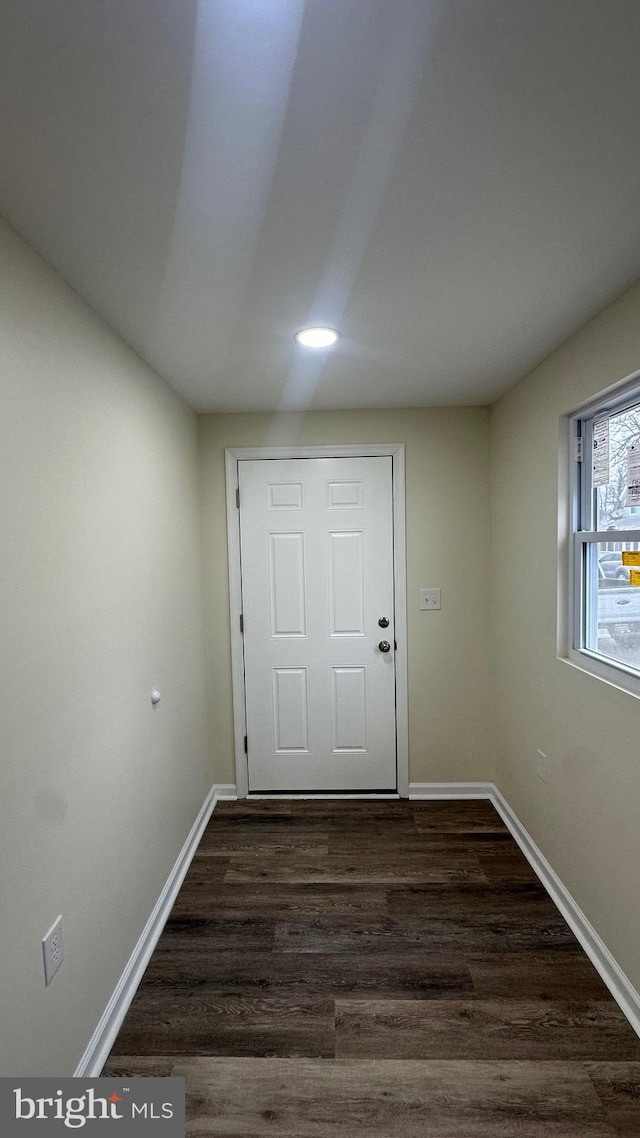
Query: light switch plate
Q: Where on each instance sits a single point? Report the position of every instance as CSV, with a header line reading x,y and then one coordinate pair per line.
x,y
429,599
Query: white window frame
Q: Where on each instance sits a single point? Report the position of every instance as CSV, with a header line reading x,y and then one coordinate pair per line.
x,y
581,609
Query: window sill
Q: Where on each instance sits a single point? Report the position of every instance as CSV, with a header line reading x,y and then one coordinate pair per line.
x,y
615,675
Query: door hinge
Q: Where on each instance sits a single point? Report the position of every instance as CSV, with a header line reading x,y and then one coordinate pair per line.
x,y
242,622
237,499
246,746
578,448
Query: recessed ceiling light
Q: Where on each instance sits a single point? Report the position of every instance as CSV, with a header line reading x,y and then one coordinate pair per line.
x,y
317,337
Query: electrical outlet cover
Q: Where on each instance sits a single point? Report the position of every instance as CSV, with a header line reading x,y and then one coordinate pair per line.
x,y
53,950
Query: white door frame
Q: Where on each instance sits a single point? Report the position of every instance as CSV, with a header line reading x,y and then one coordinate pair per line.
x,y
396,452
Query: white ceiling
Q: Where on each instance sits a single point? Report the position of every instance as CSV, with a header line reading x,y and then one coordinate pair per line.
x,y
455,184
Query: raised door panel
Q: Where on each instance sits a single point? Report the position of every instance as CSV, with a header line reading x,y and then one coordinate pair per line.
x,y
291,710
346,584
287,579
349,709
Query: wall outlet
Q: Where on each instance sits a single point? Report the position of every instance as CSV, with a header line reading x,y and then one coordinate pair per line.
x,y
541,765
429,599
53,950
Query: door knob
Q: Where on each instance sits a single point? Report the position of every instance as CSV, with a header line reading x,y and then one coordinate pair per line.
x,y
384,646
384,622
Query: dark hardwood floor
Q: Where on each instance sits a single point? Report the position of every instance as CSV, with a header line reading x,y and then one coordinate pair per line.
x,y
377,968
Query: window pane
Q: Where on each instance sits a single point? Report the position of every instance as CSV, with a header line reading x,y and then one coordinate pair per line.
x,y
613,625
618,508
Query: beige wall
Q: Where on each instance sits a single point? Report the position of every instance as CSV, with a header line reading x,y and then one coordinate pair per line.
x,y
585,818
100,602
447,546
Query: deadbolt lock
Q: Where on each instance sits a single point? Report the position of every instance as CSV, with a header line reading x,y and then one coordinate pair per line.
x,y
384,622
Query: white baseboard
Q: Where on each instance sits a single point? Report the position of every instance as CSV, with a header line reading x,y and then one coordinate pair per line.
x,y
621,988
111,1019
226,792
428,790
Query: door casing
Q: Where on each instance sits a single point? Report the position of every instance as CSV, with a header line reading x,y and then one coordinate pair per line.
x,y
362,450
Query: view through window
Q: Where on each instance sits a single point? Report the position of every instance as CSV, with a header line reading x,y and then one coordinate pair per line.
x,y
608,548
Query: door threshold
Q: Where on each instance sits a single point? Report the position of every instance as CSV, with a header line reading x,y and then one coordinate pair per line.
x,y
388,794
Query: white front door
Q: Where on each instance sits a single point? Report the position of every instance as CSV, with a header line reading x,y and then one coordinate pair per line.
x,y
316,540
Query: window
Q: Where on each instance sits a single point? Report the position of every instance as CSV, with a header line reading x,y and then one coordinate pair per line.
x,y
606,538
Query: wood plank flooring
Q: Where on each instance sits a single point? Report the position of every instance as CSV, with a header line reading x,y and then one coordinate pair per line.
x,y
377,968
